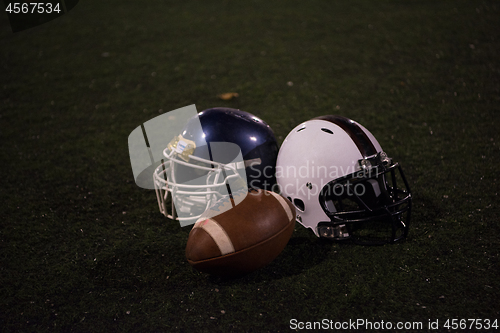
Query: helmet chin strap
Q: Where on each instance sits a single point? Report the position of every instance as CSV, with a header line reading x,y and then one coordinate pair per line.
x,y
337,232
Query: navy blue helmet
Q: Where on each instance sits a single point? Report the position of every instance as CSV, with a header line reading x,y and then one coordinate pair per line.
x,y
218,151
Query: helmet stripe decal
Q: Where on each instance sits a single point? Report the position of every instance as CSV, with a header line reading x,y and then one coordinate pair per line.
x,y
362,141
218,234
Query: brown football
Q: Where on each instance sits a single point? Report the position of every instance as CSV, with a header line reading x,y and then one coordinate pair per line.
x,y
244,238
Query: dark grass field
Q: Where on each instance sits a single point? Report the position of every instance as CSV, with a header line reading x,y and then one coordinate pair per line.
x,y
83,249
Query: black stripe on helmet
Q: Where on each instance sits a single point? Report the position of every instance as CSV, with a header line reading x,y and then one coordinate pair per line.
x,y
362,141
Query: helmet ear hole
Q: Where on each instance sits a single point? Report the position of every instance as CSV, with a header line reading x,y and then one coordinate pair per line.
x,y
299,204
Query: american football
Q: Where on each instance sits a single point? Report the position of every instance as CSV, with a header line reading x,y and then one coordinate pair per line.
x,y
244,238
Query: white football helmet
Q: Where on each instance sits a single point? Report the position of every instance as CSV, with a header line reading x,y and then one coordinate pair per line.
x,y
342,183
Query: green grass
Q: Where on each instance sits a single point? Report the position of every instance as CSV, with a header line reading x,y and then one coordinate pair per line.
x,y
83,249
